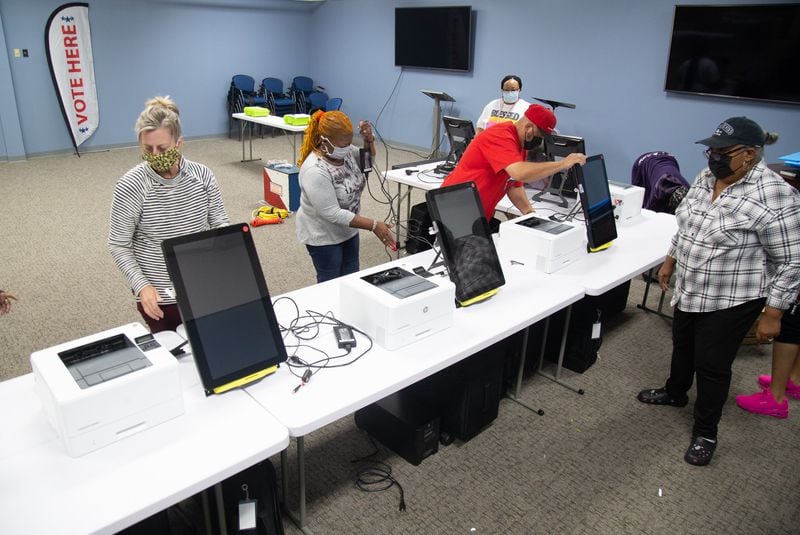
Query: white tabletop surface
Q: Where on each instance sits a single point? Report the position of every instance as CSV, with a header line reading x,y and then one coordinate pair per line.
x,y
331,394
43,490
421,176
271,120
641,244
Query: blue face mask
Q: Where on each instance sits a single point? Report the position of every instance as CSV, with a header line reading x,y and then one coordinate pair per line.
x,y
510,97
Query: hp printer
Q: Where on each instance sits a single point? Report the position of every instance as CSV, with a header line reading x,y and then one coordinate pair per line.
x,y
547,245
627,200
107,386
396,307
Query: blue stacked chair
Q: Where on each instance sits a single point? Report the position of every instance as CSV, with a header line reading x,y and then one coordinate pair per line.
x,y
301,88
278,102
242,92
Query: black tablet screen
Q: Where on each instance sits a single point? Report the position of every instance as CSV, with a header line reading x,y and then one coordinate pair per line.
x,y
467,246
224,303
598,209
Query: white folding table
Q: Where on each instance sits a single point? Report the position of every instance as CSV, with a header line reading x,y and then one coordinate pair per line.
x,y
270,120
44,491
331,394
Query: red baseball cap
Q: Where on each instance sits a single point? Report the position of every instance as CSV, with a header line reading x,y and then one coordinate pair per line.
x,y
542,117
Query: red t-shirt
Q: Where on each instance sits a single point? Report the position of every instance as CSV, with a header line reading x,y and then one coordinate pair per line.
x,y
485,162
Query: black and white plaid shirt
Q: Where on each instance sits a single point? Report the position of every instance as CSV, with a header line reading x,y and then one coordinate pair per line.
x,y
742,246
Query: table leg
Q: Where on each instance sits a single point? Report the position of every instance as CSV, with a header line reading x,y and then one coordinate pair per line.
x,y
294,146
223,530
250,138
241,136
397,219
301,475
409,189
299,520
661,304
643,306
556,378
285,476
522,357
206,511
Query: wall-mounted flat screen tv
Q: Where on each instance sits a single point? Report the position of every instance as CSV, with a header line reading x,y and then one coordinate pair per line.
x,y
433,37
736,51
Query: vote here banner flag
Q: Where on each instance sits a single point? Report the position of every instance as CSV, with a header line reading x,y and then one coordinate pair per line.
x,y
68,40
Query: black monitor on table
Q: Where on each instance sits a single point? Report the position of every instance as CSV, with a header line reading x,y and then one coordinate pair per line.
x,y
559,147
462,232
459,134
225,306
598,208
564,183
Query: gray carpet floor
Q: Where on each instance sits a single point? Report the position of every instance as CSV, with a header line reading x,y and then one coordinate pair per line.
x,y
596,463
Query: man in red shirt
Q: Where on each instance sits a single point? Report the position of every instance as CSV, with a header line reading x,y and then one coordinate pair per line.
x,y
498,153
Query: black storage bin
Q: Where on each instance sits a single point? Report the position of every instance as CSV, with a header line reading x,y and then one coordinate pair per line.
x,y
262,486
613,301
581,349
418,224
404,423
467,394
476,397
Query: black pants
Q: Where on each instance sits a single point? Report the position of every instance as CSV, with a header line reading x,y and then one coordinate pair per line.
x,y
705,344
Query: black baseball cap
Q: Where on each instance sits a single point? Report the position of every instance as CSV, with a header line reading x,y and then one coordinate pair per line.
x,y
736,131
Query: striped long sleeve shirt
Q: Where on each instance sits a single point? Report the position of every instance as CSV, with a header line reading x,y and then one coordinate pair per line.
x,y
742,246
148,209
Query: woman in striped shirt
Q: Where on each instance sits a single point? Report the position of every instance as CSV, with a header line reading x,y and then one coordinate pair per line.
x,y
163,197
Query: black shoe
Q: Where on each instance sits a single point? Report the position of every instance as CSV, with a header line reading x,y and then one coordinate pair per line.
x,y
659,396
700,451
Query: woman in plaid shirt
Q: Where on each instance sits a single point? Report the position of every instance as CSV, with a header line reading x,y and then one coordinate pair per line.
x,y
736,253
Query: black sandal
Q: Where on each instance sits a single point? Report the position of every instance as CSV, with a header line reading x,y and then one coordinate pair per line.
x,y
700,451
659,396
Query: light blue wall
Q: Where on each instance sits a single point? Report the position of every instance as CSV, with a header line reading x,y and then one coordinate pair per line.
x,y
608,57
9,118
188,50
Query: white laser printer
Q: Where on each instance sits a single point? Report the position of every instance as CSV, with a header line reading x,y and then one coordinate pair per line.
x,y
627,200
547,245
107,386
396,307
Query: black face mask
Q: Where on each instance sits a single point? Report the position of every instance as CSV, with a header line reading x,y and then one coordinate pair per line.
x,y
721,169
533,144
720,164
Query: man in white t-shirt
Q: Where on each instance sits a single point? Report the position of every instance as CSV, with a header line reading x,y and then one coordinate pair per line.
x,y
507,108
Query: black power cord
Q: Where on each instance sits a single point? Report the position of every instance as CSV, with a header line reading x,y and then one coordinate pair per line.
x,y
306,328
376,476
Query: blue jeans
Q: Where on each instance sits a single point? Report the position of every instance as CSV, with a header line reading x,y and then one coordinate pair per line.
x,y
332,261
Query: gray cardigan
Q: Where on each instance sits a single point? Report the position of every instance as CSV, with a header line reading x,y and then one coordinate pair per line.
x,y
330,197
